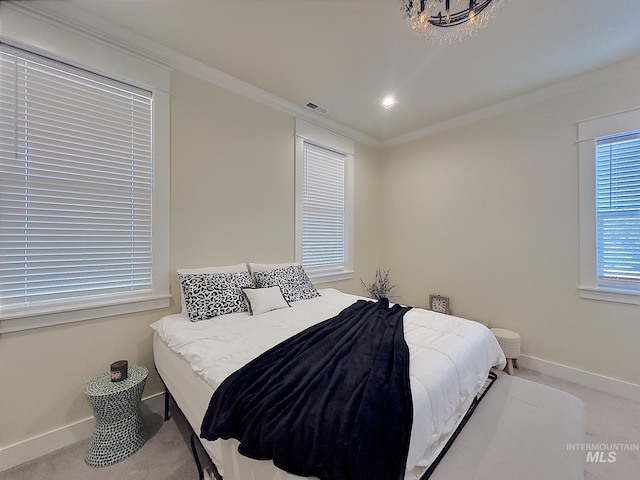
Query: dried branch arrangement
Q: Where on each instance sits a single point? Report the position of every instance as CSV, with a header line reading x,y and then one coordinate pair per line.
x,y
381,287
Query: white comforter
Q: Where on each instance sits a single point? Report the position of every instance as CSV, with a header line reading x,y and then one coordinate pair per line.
x,y
450,358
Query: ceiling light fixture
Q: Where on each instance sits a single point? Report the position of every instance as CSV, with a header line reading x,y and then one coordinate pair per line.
x,y
440,22
388,102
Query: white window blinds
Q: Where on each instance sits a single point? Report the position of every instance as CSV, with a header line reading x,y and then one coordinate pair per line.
x,y
76,183
323,208
618,210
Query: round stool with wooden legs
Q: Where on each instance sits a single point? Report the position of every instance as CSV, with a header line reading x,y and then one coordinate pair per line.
x,y
509,341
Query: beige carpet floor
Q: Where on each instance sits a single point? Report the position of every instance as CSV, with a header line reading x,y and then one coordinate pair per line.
x,y
167,454
610,420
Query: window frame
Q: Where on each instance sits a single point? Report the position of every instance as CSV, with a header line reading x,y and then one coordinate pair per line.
x,y
39,35
589,131
305,131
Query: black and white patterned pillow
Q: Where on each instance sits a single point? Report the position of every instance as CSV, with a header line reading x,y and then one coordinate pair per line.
x,y
292,280
208,295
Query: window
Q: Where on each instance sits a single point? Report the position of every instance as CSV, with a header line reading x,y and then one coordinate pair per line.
x,y
77,198
324,203
618,210
610,207
323,218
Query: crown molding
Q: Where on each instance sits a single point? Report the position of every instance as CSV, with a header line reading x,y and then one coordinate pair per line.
x,y
555,90
240,87
68,16
73,19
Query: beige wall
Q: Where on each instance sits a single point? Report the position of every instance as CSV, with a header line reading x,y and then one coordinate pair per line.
x,y
487,214
232,178
43,371
232,200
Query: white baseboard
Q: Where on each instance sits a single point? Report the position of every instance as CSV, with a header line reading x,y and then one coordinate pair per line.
x,y
581,377
19,453
22,452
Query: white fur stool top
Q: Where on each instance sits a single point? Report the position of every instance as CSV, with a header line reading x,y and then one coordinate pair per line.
x,y
509,341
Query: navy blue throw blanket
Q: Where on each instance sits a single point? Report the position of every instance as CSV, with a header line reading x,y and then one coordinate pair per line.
x,y
333,401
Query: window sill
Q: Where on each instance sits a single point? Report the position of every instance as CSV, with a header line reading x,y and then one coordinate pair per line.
x,y
610,295
26,320
326,277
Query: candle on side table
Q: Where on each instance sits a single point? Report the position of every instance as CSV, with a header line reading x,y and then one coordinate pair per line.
x,y
119,370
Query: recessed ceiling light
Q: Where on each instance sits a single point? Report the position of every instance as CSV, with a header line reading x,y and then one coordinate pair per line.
x,y
388,101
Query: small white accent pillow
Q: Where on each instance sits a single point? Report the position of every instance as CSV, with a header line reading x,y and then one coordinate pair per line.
x,y
262,300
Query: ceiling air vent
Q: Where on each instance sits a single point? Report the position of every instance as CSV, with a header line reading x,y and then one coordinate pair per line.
x,y
317,108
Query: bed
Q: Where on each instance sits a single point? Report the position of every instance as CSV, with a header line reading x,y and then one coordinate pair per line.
x,y
450,360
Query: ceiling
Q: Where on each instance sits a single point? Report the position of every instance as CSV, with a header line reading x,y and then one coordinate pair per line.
x,y
345,55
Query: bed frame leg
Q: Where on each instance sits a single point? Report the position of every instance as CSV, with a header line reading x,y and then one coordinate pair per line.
x,y
167,400
195,457
167,415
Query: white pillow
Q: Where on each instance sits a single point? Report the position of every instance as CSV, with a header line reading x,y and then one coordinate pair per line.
x,y
262,300
240,267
